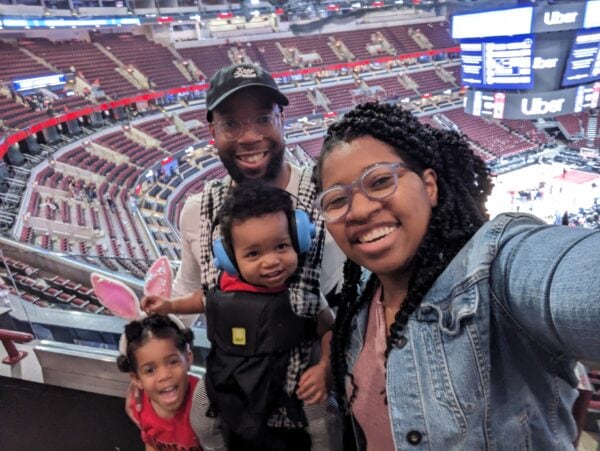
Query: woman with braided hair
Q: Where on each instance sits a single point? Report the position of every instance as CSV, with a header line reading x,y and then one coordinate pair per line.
x,y
467,331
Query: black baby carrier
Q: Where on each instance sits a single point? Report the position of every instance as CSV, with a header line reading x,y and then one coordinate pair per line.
x,y
251,335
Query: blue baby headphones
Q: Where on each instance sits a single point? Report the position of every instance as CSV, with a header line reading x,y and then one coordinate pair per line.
x,y
302,232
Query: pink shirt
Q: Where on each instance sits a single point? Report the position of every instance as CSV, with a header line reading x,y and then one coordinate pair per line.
x,y
369,406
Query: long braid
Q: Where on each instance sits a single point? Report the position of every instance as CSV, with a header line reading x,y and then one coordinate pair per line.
x,y
463,183
350,305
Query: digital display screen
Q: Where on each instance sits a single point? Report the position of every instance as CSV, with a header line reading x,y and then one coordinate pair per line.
x,y
58,23
586,96
583,64
531,105
28,84
505,22
592,14
498,63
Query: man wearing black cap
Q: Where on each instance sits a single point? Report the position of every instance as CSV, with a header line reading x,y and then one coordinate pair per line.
x,y
245,115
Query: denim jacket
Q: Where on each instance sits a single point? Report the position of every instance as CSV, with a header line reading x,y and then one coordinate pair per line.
x,y
489,354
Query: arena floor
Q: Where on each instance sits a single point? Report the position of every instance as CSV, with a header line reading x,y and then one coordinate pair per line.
x,y
569,192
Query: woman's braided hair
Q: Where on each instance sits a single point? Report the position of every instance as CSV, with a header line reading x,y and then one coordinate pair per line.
x,y
463,183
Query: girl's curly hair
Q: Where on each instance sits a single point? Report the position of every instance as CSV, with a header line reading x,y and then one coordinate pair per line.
x,y
464,184
138,333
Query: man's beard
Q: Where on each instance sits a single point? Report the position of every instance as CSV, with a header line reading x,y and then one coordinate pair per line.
x,y
271,173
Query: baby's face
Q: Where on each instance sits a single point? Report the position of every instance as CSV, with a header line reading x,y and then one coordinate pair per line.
x,y
263,249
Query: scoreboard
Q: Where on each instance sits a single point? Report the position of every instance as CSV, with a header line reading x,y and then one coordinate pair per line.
x,y
583,65
498,63
530,61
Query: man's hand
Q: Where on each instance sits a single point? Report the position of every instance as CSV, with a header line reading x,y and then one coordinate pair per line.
x,y
156,304
134,395
312,388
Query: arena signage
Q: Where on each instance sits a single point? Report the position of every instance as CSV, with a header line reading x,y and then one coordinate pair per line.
x,y
30,84
592,14
537,106
504,22
562,16
70,23
541,63
583,65
509,105
558,18
551,53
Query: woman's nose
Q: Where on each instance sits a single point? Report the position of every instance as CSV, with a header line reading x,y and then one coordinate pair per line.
x,y
361,207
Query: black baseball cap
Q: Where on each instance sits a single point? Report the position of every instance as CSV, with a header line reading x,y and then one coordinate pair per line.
x,y
231,79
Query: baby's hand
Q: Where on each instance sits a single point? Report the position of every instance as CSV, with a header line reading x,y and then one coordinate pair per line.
x,y
156,304
312,388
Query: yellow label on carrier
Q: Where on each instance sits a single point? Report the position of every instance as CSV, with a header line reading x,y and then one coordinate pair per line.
x,y
238,336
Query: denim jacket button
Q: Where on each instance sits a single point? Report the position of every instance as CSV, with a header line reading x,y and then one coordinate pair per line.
x,y
401,342
414,437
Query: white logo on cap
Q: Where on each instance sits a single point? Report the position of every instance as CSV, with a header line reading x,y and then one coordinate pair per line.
x,y
245,72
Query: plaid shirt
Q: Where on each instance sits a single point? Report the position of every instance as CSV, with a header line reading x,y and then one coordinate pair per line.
x,y
303,285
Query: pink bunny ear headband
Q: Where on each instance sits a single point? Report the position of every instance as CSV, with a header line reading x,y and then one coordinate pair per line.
x,y
123,302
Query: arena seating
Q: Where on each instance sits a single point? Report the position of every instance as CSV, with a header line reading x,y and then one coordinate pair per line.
x,y
572,126
171,141
357,41
527,130
151,59
299,106
208,59
16,115
198,127
89,62
490,136
429,82
399,37
16,64
312,147
393,88
438,34
45,289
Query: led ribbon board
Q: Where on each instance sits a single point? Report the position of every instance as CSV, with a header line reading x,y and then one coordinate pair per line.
x,y
29,84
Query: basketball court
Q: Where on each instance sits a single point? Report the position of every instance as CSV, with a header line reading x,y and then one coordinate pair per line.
x,y
557,193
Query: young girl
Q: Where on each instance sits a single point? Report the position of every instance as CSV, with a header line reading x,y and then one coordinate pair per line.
x,y
156,352
466,333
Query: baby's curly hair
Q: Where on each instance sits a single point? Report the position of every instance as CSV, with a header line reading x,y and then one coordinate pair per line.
x,y
464,184
252,199
138,333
